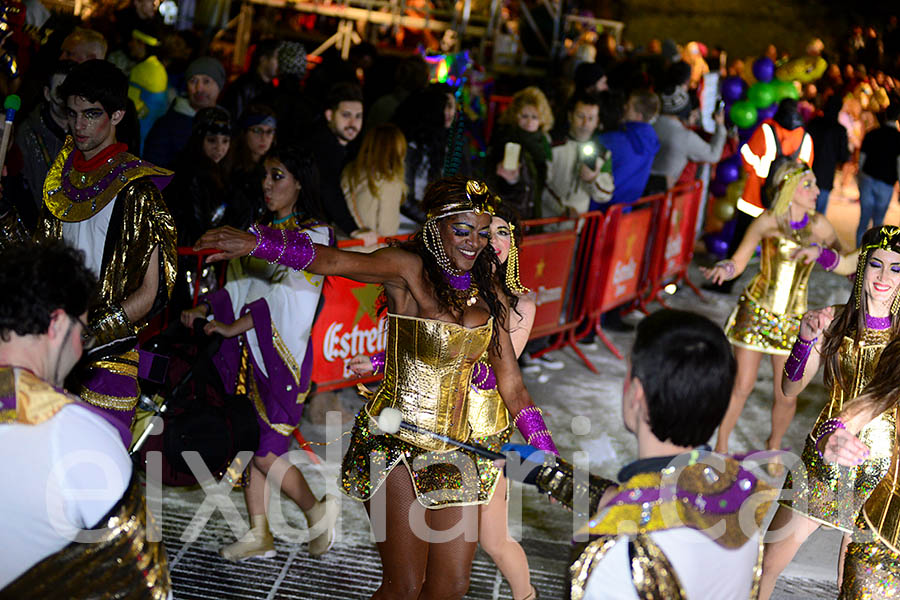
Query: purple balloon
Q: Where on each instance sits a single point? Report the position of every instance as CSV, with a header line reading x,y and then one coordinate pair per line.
x,y
718,188
716,244
763,69
726,172
767,112
732,89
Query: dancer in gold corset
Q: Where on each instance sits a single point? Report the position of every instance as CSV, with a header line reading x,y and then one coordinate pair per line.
x,y
768,313
444,312
872,561
848,341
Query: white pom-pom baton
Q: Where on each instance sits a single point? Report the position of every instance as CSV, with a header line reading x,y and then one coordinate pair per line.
x,y
391,421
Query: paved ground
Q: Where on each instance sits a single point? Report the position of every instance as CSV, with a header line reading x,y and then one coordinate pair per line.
x,y
583,411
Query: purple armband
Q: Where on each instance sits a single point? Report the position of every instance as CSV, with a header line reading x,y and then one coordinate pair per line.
x,y
795,364
827,428
377,363
828,258
531,425
293,249
483,377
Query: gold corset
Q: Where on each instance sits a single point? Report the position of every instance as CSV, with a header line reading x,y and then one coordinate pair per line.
x,y
427,369
487,412
857,364
780,286
882,510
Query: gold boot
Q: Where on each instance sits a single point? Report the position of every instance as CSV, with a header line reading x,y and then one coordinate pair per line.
x,y
256,543
321,519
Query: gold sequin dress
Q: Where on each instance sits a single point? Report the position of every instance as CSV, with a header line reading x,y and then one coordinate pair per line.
x,y
427,371
872,563
490,424
828,493
767,317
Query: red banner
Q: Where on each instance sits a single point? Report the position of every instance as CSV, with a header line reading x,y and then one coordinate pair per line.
x,y
625,256
347,326
545,261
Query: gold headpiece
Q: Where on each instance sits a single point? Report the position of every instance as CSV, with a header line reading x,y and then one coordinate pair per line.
x,y
512,266
888,239
479,199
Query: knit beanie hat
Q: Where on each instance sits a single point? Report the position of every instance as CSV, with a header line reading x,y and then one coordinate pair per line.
x,y
675,101
209,66
292,59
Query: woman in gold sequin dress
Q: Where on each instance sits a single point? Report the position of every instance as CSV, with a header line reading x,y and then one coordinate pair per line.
x,y
444,312
489,420
872,563
768,313
848,341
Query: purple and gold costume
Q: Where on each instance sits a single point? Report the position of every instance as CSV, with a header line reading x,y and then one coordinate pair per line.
x,y
116,214
272,362
428,369
767,317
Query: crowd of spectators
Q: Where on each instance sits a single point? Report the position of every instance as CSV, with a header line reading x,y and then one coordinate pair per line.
x,y
614,123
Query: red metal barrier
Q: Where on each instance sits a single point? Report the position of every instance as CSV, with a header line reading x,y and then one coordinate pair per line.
x,y
613,272
496,105
673,246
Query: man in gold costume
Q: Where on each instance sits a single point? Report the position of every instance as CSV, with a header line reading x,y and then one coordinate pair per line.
x,y
679,508
61,542
103,200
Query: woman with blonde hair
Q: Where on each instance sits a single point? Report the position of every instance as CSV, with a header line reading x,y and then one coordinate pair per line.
x,y
526,122
767,317
374,184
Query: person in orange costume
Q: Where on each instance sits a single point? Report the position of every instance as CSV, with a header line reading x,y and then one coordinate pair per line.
x,y
786,130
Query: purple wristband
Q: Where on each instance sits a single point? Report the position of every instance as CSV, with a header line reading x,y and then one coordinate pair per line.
x,y
795,364
293,249
531,425
828,259
483,377
378,363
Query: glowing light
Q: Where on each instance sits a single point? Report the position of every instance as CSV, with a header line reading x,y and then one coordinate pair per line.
x,y
671,289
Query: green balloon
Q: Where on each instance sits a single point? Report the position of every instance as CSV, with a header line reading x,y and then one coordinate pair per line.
x,y
743,114
785,89
762,94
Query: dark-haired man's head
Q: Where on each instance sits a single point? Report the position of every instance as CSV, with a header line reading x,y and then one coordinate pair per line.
x,y
892,113
584,115
344,111
678,386
42,323
787,114
265,59
96,95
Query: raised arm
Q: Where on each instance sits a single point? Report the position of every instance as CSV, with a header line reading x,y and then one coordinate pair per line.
x,y
732,268
806,354
388,266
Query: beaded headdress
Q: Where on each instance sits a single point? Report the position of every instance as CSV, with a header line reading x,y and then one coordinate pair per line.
x,y
888,238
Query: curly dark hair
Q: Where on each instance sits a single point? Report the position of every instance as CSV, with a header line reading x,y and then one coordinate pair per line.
x,y
441,192
44,278
302,165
